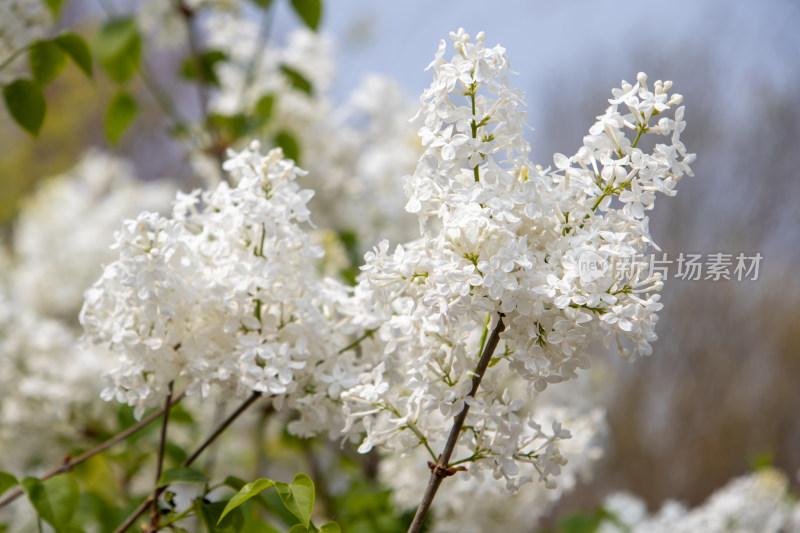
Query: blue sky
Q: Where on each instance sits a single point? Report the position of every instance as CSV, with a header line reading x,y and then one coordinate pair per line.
x,y
547,38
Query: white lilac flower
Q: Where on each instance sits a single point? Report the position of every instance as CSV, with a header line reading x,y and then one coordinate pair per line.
x,y
223,293
354,153
473,503
64,230
759,501
498,235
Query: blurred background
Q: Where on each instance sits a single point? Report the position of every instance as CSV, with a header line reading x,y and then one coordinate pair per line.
x,y
719,396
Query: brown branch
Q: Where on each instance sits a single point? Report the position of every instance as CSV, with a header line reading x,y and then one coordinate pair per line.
x,y
69,464
162,443
440,470
150,500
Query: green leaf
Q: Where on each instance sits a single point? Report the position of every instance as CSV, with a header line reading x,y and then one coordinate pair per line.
x,y
7,481
118,46
264,108
114,37
76,48
54,5
330,527
231,127
298,497
291,150
107,515
122,68
175,453
300,528
297,80
578,523
207,61
263,4
310,11
211,514
55,499
182,474
119,115
234,482
25,101
46,60
250,490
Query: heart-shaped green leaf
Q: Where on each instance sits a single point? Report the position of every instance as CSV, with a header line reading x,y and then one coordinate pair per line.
x,y
298,497
47,59
26,104
76,48
55,499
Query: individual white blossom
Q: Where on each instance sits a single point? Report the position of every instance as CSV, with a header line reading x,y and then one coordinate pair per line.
x,y
500,237
756,502
222,293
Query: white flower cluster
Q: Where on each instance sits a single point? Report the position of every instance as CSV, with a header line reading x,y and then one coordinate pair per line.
x,y
472,503
60,239
502,238
354,153
21,22
222,293
759,502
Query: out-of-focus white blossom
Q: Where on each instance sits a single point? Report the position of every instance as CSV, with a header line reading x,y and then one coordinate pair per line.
x,y
49,387
499,236
21,23
164,23
223,293
756,502
60,240
65,230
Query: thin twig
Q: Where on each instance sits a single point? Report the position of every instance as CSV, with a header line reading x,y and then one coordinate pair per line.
x,y
189,18
217,432
255,60
68,465
162,443
439,471
13,56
